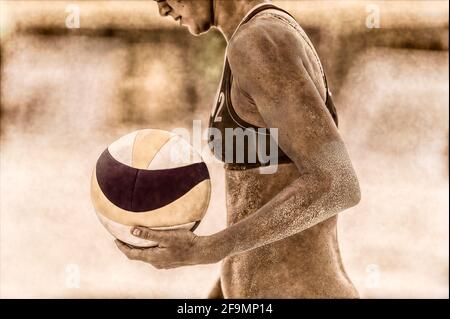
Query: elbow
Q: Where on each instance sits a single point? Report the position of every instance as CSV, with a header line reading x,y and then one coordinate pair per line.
x,y
340,188
351,191
346,190
355,196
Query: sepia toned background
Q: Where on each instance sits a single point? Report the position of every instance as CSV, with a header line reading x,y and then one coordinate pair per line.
x,y
66,93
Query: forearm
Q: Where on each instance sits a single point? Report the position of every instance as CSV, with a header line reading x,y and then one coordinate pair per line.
x,y
309,200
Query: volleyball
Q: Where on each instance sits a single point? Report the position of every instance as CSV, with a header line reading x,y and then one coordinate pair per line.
x,y
150,178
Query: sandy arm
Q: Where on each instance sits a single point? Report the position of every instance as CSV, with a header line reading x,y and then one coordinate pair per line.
x,y
265,63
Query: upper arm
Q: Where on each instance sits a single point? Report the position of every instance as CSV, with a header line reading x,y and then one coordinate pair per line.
x,y
267,62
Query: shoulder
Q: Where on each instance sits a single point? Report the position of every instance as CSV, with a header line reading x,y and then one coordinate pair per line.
x,y
266,39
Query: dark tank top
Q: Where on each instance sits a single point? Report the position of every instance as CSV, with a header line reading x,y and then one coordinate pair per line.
x,y
237,143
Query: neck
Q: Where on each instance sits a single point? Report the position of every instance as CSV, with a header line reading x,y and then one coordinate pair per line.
x,y
228,14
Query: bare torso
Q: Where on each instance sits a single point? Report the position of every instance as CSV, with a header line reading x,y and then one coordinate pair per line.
x,y
305,265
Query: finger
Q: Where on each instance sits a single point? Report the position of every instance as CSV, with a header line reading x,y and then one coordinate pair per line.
x,y
154,255
160,236
131,253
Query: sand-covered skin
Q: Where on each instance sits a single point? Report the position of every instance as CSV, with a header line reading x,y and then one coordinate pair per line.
x,y
64,100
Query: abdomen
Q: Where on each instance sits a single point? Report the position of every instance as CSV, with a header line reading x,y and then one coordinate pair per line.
x,y
305,265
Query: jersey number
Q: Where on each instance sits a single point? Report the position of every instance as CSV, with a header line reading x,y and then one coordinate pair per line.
x,y
221,102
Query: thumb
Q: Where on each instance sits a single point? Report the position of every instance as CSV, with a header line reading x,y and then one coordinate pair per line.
x,y
159,236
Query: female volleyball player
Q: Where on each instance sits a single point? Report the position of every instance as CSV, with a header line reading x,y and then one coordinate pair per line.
x,y
281,240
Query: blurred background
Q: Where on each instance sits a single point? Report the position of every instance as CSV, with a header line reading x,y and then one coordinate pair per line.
x,y
68,90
